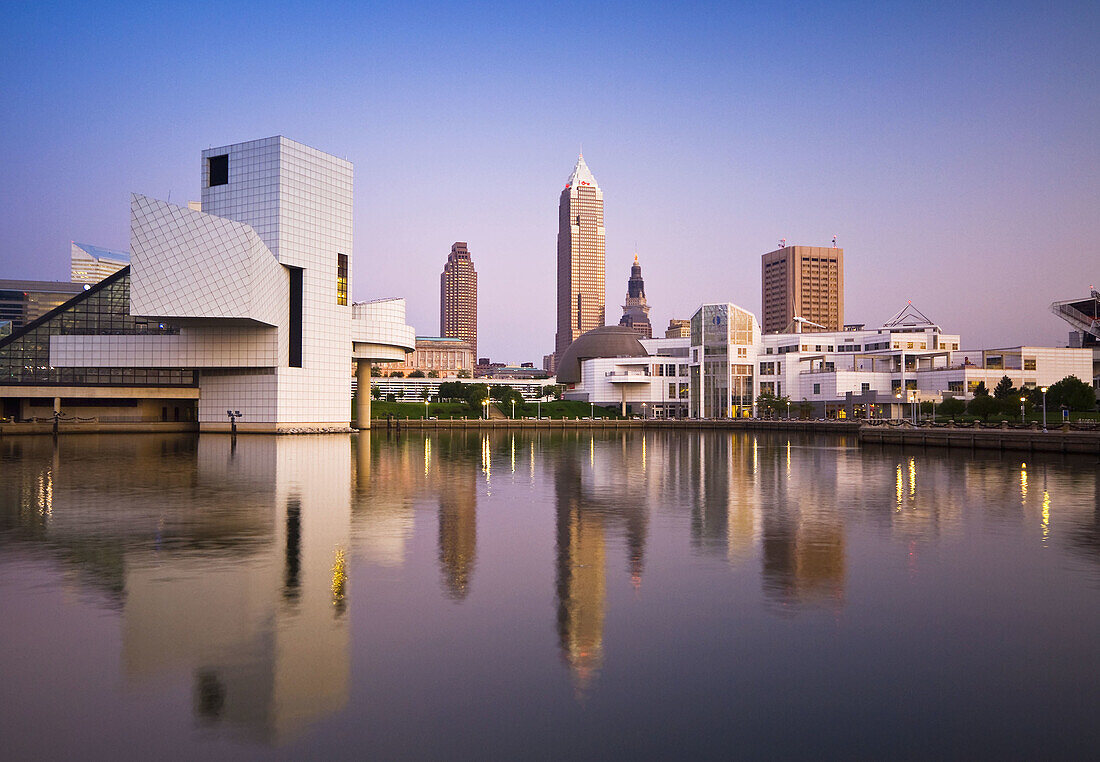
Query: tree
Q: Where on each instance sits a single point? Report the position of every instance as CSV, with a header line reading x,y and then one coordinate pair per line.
x,y
452,390
952,407
805,408
425,393
391,397
1073,393
375,372
397,374
980,390
982,406
1004,390
464,374
376,392
417,374
432,374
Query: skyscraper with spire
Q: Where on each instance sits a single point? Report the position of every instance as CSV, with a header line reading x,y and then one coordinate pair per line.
x,y
636,310
581,288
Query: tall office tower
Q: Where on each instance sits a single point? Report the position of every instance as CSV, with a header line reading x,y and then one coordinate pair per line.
x,y
581,290
91,264
458,297
804,282
636,311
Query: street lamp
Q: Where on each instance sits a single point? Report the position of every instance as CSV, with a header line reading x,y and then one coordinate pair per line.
x,y
592,411
539,403
644,415
513,409
788,410
1044,390
913,402
1022,400
233,415
485,405
425,409
898,397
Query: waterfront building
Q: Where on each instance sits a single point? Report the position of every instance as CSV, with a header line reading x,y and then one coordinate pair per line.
x,y
802,288
678,329
613,366
91,264
550,363
458,297
1083,315
241,307
581,288
24,301
636,309
721,370
446,357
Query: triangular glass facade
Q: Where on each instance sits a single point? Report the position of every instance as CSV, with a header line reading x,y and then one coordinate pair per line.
x,y
104,309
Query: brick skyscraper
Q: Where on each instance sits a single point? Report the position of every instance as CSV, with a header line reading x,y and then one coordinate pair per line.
x,y
458,297
805,282
581,290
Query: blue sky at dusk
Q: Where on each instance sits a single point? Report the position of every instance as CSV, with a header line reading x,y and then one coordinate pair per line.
x,y
953,148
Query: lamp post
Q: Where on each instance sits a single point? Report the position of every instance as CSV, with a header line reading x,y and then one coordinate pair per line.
x,y
233,415
1022,400
1044,390
788,410
913,402
513,410
898,397
485,407
592,410
644,414
539,403
425,409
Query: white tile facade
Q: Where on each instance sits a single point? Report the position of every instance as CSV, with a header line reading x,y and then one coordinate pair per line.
x,y
224,275
299,202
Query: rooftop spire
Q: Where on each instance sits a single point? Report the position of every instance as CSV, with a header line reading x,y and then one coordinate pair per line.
x,y
582,175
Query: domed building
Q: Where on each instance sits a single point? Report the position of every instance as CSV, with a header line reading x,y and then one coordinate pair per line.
x,y
615,366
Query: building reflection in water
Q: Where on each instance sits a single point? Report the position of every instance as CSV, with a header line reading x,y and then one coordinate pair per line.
x,y
398,475
221,561
599,491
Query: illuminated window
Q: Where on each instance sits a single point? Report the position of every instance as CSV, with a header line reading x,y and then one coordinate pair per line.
x,y
342,279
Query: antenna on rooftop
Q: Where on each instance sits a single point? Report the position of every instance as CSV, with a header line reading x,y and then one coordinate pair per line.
x,y
782,243
834,240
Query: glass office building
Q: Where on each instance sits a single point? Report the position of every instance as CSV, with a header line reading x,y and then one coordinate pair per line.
x,y
723,341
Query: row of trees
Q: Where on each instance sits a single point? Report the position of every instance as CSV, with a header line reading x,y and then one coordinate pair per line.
x,y
1071,393
376,372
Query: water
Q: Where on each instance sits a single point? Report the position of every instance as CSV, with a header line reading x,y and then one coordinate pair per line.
x,y
544,595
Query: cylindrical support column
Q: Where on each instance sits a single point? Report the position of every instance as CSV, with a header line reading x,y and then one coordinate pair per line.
x,y
362,394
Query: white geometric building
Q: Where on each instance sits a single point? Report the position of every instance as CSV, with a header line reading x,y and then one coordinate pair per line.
x,y
257,284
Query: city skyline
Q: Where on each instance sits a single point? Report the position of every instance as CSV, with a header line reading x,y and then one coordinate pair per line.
x,y
926,140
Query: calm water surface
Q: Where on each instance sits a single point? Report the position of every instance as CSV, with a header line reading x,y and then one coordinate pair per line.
x,y
449,596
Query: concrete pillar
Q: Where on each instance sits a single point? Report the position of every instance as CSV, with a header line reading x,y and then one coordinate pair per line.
x,y
57,404
362,394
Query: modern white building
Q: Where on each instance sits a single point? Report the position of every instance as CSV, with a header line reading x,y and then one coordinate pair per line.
x,y
721,370
250,296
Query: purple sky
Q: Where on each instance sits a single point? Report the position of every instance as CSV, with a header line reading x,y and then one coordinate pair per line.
x,y
954,150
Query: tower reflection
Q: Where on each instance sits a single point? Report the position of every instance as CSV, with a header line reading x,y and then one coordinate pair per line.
x,y
598,493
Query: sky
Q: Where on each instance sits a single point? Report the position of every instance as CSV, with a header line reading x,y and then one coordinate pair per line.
x,y
953,149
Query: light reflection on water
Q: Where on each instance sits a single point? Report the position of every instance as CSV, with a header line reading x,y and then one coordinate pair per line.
x,y
300,593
